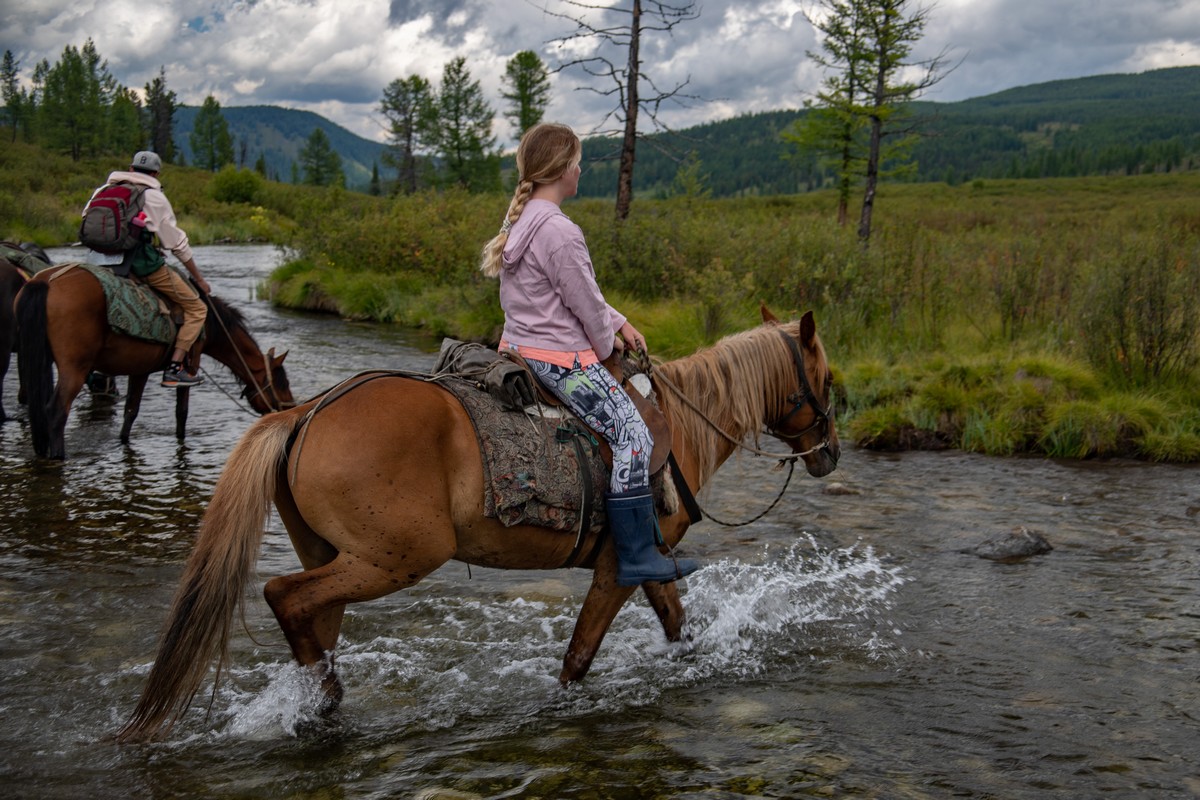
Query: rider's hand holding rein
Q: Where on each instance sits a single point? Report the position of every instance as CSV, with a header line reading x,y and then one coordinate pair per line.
x,y
629,337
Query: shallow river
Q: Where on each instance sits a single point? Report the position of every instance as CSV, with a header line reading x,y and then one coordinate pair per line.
x,y
842,646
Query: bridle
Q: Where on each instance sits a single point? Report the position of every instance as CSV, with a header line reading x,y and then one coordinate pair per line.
x,y
253,388
267,392
805,396
822,415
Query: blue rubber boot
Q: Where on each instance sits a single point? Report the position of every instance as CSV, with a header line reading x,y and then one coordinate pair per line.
x,y
634,527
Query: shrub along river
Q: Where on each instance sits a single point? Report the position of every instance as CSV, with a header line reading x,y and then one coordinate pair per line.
x,y
844,645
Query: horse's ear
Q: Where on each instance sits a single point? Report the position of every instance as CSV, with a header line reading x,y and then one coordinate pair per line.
x,y
767,316
275,362
808,329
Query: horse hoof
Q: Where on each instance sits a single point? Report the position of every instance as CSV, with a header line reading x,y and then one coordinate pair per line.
x,y
331,695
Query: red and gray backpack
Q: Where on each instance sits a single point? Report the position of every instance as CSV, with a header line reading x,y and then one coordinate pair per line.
x,y
106,220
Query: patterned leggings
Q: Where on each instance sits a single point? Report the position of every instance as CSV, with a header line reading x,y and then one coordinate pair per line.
x,y
593,394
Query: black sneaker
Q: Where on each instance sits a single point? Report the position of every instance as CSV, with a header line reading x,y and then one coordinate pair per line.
x,y
175,377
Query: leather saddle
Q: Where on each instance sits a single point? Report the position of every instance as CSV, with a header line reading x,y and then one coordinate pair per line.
x,y
660,429
508,378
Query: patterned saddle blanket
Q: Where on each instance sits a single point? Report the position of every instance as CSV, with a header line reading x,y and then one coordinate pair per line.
x,y
134,309
541,467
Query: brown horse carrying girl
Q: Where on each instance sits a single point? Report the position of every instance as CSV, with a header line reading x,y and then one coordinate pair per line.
x,y
374,499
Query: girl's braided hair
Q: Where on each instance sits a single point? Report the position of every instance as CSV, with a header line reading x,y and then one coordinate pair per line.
x,y
546,151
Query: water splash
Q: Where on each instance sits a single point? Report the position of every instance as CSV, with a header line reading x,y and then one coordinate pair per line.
x,y
495,660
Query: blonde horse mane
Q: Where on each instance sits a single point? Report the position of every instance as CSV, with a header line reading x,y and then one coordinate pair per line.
x,y
732,383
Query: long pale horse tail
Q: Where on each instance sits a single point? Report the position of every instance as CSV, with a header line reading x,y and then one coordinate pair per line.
x,y
34,362
214,580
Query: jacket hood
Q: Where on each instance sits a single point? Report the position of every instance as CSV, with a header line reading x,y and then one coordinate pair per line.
x,y
136,178
535,215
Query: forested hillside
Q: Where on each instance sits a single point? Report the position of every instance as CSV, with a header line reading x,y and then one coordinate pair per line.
x,y
1102,125
278,134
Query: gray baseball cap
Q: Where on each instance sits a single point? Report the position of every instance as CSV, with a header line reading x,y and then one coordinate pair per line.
x,y
146,161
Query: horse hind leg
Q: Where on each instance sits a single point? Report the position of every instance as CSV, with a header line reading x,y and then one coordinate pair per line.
x,y
309,606
68,388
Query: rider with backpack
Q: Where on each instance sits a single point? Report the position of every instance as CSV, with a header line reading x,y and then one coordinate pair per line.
x,y
116,220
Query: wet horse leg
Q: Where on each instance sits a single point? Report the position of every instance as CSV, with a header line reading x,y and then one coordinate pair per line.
x,y
664,599
604,599
313,552
183,397
70,382
309,604
134,389
5,357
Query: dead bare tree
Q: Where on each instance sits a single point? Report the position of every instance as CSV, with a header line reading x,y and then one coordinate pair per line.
x,y
615,55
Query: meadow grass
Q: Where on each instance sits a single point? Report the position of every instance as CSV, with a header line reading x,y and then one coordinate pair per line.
x,y
1054,317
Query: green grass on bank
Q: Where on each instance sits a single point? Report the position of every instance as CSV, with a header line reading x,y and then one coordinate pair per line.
x,y
1053,317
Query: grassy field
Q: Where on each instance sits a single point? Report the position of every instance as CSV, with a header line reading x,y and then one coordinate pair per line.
x,y
1054,317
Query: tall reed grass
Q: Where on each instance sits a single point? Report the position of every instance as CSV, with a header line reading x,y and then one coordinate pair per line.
x,y
1054,316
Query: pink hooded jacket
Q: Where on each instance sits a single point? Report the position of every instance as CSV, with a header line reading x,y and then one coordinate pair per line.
x,y
548,287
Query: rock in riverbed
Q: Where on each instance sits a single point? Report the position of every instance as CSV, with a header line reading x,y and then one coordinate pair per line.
x,y
1018,544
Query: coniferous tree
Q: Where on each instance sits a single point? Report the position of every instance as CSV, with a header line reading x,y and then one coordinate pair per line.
x,y
322,165
102,89
70,112
892,27
11,91
126,124
374,188
212,146
463,136
260,166
836,122
160,107
408,107
527,85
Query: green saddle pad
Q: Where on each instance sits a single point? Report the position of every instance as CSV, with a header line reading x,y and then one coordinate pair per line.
x,y
133,308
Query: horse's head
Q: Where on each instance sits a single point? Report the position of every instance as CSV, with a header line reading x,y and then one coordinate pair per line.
x,y
806,422
229,342
270,391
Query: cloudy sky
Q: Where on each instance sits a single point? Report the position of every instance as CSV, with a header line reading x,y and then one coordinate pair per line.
x,y
335,57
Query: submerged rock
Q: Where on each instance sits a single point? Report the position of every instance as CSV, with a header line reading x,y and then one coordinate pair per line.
x,y
1013,546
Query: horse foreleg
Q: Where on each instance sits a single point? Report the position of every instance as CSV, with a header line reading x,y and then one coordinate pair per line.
x,y
133,403
182,400
664,599
604,599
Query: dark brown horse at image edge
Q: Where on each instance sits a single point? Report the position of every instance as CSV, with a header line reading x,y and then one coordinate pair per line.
x,y
385,484
63,319
12,279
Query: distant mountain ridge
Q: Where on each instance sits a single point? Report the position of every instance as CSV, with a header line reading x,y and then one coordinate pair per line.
x,y
278,135
1102,124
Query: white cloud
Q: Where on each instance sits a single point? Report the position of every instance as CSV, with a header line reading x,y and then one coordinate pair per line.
x,y
334,57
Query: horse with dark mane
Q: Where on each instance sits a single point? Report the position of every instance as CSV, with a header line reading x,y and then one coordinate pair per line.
x,y
62,319
380,481
16,267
